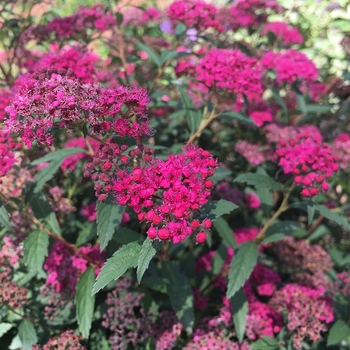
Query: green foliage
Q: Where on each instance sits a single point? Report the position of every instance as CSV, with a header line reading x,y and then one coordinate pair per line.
x,y
259,181
36,249
239,307
27,334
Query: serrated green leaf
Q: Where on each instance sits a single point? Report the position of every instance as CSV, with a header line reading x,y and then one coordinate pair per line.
x,y
45,175
43,211
214,209
225,232
4,217
280,229
339,331
259,181
148,251
36,249
219,259
220,174
239,305
151,53
180,294
109,217
238,116
5,327
242,265
266,343
27,335
116,266
84,301
192,115
58,155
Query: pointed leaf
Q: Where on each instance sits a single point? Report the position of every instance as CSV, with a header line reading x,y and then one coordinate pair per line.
x,y
45,175
5,327
311,208
148,251
151,53
266,200
340,220
4,217
109,217
239,305
84,301
225,232
27,335
180,294
59,155
339,332
280,229
238,116
242,265
214,209
36,249
266,343
259,181
116,266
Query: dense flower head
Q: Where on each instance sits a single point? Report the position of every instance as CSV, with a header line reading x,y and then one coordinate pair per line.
x,y
310,160
79,60
341,149
308,311
46,99
264,280
261,117
70,162
194,14
8,146
283,32
254,153
5,99
290,66
65,340
230,70
140,17
125,325
250,13
165,194
64,266
75,26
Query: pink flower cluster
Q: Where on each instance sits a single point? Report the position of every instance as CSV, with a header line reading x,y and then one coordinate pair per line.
x,y
290,66
341,149
230,70
283,32
249,13
70,163
5,98
79,60
308,311
7,156
261,117
138,17
165,194
47,99
254,153
126,327
194,14
75,26
64,267
309,160
65,340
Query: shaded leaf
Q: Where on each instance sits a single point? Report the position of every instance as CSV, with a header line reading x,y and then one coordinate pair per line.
x,y
36,249
109,217
151,53
116,266
280,229
27,335
220,174
4,217
225,232
180,294
266,343
340,220
239,305
266,199
238,116
5,327
259,181
84,301
58,155
339,331
214,209
242,264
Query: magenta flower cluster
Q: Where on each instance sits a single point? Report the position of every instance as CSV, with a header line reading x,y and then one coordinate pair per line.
x,y
283,32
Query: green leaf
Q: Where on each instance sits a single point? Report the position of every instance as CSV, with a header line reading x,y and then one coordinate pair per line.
x,y
119,16
220,174
151,53
225,232
167,55
42,210
319,232
280,101
259,181
109,217
36,249
301,102
4,217
339,331
279,230
125,235
311,208
219,259
116,266
5,327
238,116
180,294
266,343
58,155
45,175
239,305
340,220
193,116
84,301
266,199
148,251
242,265
314,108
214,209
180,30
27,335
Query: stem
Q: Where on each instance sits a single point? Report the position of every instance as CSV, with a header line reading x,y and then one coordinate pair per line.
x,y
283,207
122,56
315,225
